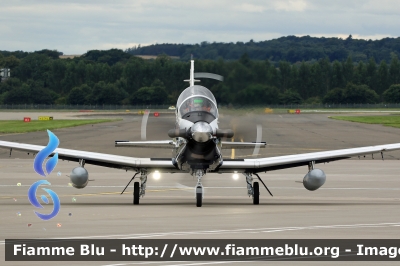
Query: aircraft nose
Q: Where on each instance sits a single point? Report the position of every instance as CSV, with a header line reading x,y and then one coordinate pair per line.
x,y
201,132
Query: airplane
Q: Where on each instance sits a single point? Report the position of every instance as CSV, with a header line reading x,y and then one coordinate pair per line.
x,y
197,144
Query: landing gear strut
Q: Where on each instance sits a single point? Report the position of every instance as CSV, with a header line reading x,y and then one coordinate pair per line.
x,y
199,173
140,190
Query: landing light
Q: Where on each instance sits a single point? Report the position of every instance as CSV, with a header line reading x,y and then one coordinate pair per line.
x,y
156,175
235,176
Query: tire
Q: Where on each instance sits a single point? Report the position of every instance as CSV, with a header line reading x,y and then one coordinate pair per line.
x,y
199,199
256,195
136,192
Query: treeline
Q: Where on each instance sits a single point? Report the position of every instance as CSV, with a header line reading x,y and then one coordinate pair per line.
x,y
115,77
291,49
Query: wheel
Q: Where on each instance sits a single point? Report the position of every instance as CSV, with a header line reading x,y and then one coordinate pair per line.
x,y
256,195
136,193
199,199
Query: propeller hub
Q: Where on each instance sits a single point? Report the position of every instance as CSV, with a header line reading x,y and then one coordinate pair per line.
x,y
201,132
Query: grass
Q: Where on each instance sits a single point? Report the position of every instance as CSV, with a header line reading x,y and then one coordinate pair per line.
x,y
19,126
390,121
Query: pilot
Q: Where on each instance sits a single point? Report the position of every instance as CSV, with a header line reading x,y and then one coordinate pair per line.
x,y
189,106
207,106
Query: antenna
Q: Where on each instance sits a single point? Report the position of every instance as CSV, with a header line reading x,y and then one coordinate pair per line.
x,y
191,80
192,72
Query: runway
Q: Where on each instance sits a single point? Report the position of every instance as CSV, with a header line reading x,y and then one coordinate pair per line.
x,y
359,200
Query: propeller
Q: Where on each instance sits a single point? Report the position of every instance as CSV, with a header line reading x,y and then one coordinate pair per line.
x,y
242,125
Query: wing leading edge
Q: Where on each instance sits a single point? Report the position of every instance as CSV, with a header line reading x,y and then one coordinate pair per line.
x,y
95,158
288,161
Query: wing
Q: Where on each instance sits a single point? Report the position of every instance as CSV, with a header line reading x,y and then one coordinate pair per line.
x,y
159,144
288,161
242,145
228,166
101,159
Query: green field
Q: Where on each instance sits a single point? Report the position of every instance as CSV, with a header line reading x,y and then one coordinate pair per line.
x,y
19,126
387,120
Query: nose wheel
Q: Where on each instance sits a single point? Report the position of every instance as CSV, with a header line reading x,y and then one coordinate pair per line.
x,y
199,199
199,173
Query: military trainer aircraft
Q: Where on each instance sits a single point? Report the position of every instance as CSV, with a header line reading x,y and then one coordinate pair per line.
x,y
196,143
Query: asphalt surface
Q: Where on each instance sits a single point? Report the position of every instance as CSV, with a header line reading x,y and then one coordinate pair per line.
x,y
359,200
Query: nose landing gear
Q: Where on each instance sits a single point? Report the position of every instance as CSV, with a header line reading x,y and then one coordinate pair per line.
x,y
199,173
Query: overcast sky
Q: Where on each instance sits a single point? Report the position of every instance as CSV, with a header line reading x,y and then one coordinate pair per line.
x,y
74,27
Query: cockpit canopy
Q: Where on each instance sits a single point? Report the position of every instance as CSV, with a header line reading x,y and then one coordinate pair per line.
x,y
197,99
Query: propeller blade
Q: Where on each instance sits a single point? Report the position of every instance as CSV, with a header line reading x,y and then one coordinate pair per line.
x,y
175,133
224,133
145,118
258,140
209,76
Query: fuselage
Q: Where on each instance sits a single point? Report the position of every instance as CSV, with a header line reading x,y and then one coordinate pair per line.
x,y
197,117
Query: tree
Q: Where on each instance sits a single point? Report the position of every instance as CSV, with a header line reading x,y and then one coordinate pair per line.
x,y
10,84
258,94
394,71
54,54
78,94
338,80
382,77
290,97
19,95
348,69
304,80
359,94
34,66
360,76
392,95
371,74
57,73
11,62
326,70
155,94
284,75
40,94
334,96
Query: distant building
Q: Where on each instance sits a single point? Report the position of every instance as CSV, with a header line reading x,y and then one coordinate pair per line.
x,y
5,73
154,57
71,56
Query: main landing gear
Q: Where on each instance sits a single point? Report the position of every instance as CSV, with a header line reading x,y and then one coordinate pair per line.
x,y
253,188
139,190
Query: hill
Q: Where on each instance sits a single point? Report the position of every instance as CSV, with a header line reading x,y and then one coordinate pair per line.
x,y
291,48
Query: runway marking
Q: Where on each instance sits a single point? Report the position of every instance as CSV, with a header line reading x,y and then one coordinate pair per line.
x,y
251,230
170,188
246,230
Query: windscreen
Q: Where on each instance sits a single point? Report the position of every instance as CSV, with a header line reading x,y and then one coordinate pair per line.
x,y
197,98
